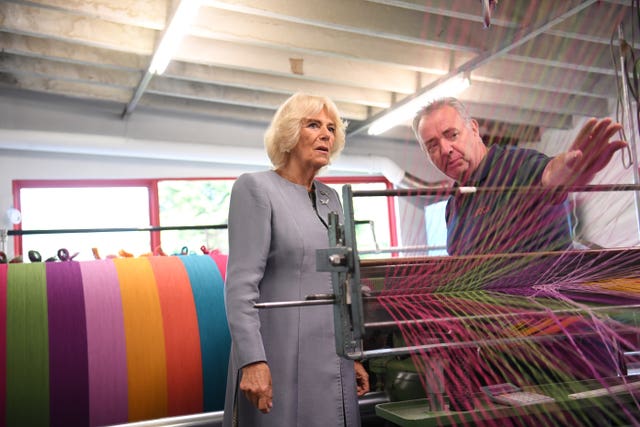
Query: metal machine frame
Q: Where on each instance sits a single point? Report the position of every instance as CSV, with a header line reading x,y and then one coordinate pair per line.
x,y
342,261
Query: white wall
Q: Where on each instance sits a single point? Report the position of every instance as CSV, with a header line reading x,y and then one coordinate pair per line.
x,y
607,219
57,138
40,139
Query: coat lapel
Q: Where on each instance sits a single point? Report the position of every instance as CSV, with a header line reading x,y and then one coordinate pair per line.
x,y
326,202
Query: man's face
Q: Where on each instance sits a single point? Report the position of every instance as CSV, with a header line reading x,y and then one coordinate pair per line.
x,y
455,147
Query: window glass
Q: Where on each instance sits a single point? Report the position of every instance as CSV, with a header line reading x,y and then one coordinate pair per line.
x,y
85,208
194,203
194,210
371,215
435,222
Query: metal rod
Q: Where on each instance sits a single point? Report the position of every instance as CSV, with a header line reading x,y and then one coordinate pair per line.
x,y
304,303
496,316
114,230
415,248
208,419
397,351
314,300
142,86
3,239
448,191
576,257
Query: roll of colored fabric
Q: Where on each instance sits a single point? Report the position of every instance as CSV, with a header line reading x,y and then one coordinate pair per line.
x,y
106,346
215,340
182,336
221,261
146,356
107,342
68,364
3,339
27,344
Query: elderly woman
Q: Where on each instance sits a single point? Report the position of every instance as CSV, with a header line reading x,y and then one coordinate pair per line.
x,y
283,368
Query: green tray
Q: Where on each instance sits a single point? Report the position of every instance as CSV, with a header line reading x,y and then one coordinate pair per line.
x,y
416,413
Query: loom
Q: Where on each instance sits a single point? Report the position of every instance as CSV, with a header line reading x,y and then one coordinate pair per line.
x,y
460,327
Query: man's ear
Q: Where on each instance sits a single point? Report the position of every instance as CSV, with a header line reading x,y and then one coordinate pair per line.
x,y
475,127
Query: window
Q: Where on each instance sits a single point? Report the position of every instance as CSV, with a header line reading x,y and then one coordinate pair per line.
x,y
168,216
436,228
194,203
50,207
375,225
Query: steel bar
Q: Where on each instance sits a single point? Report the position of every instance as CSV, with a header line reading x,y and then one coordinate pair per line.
x,y
114,230
397,351
501,315
302,303
448,191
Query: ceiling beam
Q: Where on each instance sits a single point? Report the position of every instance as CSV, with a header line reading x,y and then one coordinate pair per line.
x,y
42,22
523,36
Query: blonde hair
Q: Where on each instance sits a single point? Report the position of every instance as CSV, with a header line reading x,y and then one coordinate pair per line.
x,y
284,131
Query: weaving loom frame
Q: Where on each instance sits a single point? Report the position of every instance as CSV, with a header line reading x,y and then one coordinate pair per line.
x,y
350,296
342,260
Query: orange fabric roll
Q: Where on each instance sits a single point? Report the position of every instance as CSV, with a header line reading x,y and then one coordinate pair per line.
x,y
144,334
182,336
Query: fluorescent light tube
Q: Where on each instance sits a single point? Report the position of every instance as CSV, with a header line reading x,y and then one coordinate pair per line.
x,y
450,87
183,17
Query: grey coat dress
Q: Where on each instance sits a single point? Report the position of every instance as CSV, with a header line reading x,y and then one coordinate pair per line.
x,y
274,232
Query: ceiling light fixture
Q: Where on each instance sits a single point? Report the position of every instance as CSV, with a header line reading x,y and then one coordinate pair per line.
x,y
449,87
182,18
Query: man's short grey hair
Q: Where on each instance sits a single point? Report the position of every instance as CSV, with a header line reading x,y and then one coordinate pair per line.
x,y
436,105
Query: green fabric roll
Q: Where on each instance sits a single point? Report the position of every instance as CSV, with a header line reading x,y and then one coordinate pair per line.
x,y
27,346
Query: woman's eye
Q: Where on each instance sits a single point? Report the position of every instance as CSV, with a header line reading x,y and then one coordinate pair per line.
x,y
332,129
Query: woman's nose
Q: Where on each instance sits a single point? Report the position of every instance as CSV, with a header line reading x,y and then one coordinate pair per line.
x,y
325,133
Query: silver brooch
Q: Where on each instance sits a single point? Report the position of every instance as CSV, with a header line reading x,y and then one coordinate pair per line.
x,y
324,200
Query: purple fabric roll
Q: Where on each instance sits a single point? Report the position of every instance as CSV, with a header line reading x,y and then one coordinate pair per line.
x,y
68,370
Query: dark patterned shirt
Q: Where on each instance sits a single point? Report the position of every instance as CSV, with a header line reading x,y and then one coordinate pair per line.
x,y
502,222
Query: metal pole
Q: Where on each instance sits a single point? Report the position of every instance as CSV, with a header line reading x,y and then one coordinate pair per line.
x,y
398,351
535,189
115,230
626,106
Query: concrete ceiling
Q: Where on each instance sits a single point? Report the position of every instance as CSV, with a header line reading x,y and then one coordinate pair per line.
x,y
538,65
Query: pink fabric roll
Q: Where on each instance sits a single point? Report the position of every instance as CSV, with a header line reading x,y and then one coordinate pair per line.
x,y
107,354
221,262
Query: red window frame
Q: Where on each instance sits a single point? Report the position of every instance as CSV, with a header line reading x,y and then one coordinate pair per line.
x,y
391,210
154,206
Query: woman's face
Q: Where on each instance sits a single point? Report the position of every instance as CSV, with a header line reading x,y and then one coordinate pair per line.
x,y
317,135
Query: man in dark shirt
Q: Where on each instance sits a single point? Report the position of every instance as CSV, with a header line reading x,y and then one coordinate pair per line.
x,y
508,221
483,221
